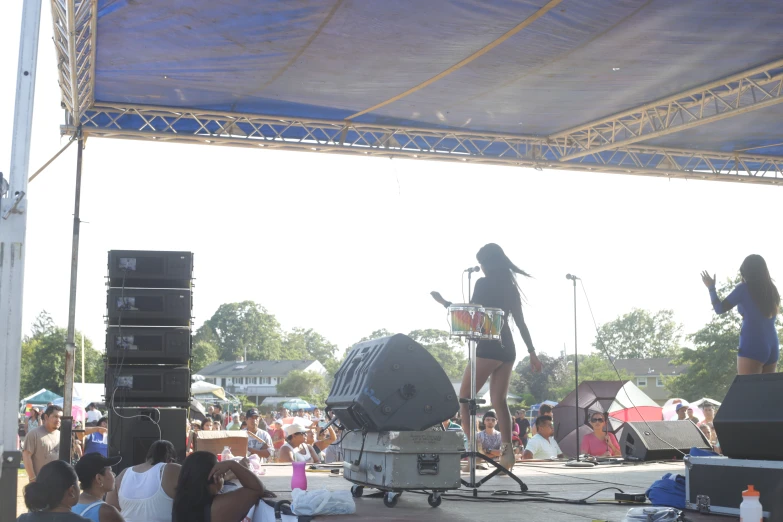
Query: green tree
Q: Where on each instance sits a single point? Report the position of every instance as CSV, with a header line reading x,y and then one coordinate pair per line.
x,y
640,334
43,358
592,367
310,386
376,334
237,327
712,364
204,354
445,349
541,385
303,343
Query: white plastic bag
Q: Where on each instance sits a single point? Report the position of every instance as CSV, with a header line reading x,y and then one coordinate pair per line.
x,y
322,502
652,514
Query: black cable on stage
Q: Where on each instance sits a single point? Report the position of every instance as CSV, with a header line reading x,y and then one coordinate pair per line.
x,y
619,377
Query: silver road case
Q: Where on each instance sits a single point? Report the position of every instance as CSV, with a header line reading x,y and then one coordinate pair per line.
x,y
396,461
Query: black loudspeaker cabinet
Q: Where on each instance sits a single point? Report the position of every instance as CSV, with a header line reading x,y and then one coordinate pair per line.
x,y
130,385
660,440
150,268
149,306
148,345
133,430
391,383
750,420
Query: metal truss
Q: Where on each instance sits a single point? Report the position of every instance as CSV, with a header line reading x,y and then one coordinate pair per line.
x,y
731,96
74,40
246,130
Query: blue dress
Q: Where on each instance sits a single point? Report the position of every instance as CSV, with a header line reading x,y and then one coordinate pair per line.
x,y
758,337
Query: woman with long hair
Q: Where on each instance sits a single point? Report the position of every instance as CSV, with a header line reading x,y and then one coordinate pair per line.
x,y
197,500
34,420
495,358
52,495
758,302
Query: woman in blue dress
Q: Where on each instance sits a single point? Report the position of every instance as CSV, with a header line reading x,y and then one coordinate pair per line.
x,y
758,302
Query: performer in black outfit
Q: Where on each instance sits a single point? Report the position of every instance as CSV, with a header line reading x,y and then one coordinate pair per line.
x,y
497,289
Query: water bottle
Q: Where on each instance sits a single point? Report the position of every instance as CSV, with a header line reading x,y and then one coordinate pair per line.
x,y
750,509
299,478
226,454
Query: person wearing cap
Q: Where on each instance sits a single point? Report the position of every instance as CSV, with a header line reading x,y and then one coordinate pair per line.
x,y
489,438
681,410
97,479
296,448
254,445
234,424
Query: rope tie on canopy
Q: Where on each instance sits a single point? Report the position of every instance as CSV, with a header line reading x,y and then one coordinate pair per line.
x,y
75,137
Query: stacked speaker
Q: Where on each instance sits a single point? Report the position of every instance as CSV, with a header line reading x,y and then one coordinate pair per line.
x,y
148,350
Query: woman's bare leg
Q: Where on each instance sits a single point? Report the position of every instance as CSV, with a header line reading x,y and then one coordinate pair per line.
x,y
747,366
498,390
770,368
484,368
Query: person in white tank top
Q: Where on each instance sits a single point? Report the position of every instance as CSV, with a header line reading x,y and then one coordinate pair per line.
x,y
145,493
295,448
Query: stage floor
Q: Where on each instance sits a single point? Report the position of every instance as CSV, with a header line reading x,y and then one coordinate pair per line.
x,y
553,479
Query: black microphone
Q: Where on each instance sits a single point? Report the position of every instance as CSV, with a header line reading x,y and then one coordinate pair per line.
x,y
571,277
472,269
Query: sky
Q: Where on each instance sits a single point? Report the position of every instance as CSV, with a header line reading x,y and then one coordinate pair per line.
x,y
347,245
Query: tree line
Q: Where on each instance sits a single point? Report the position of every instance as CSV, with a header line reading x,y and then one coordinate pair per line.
x,y
236,329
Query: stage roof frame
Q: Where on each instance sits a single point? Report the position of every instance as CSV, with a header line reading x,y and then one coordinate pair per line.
x,y
476,69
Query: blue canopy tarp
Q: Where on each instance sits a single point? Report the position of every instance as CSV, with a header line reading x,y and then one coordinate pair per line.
x,y
329,59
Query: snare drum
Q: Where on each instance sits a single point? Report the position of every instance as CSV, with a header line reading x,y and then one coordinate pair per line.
x,y
492,324
466,320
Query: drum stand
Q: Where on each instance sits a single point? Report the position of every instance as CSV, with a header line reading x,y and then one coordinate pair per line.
x,y
473,403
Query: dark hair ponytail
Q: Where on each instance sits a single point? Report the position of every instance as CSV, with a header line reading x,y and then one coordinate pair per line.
x,y
161,451
762,290
497,264
50,486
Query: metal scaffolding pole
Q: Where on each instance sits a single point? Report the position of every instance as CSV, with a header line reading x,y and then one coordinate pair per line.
x,y
70,346
13,228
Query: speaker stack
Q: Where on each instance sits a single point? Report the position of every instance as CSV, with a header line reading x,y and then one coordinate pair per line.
x,y
148,350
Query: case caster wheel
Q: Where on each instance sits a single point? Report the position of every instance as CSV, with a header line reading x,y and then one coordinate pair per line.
x,y
390,499
357,491
434,499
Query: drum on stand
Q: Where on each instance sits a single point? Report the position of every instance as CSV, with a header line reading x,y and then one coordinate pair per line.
x,y
493,323
467,320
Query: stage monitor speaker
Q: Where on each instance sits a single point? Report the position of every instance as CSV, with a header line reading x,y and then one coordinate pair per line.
x,y
150,269
133,430
130,385
660,440
149,306
750,420
391,383
148,345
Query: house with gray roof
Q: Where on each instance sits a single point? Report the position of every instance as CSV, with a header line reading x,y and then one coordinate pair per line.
x,y
256,379
649,375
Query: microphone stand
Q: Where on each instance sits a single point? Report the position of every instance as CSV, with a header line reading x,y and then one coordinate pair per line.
x,y
473,403
576,375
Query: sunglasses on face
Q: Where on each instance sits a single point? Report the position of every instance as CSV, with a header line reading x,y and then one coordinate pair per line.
x,y
596,420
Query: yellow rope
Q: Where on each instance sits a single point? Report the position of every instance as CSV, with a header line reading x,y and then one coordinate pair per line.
x,y
532,18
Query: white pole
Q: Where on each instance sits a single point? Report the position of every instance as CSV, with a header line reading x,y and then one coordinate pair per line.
x,y
82,358
13,228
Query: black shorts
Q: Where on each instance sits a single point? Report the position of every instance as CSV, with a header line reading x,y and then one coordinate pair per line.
x,y
502,350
